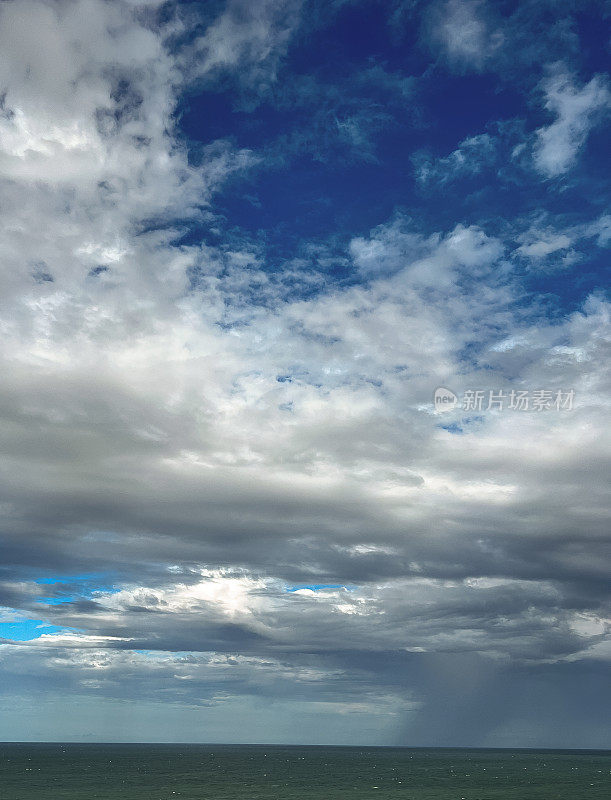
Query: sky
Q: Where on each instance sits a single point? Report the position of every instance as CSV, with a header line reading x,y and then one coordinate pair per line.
x,y
304,399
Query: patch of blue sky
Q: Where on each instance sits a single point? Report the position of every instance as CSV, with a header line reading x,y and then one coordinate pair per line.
x,y
336,137
452,427
25,630
564,289
164,653
69,588
461,426
82,578
58,601
317,587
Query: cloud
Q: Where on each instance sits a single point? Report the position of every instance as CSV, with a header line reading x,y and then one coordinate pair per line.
x,y
245,43
472,156
435,261
514,43
200,427
464,32
549,243
577,111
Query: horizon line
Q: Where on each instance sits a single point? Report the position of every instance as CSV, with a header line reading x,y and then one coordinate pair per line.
x,y
288,744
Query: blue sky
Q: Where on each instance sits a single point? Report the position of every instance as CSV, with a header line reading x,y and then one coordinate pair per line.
x,y
365,110
244,244
22,630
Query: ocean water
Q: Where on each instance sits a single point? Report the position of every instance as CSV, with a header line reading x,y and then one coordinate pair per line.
x,y
258,772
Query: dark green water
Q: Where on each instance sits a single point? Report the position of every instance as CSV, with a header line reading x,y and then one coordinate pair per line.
x,y
229,772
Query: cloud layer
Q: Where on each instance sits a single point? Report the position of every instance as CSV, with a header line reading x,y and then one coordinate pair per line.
x,y
224,482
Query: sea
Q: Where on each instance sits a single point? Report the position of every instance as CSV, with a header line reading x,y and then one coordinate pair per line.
x,y
264,772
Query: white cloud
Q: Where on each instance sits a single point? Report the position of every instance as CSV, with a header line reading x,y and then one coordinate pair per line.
x,y
466,34
545,246
247,41
472,155
576,110
424,261
601,228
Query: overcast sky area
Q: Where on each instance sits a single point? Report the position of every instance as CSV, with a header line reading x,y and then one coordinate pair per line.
x,y
241,245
